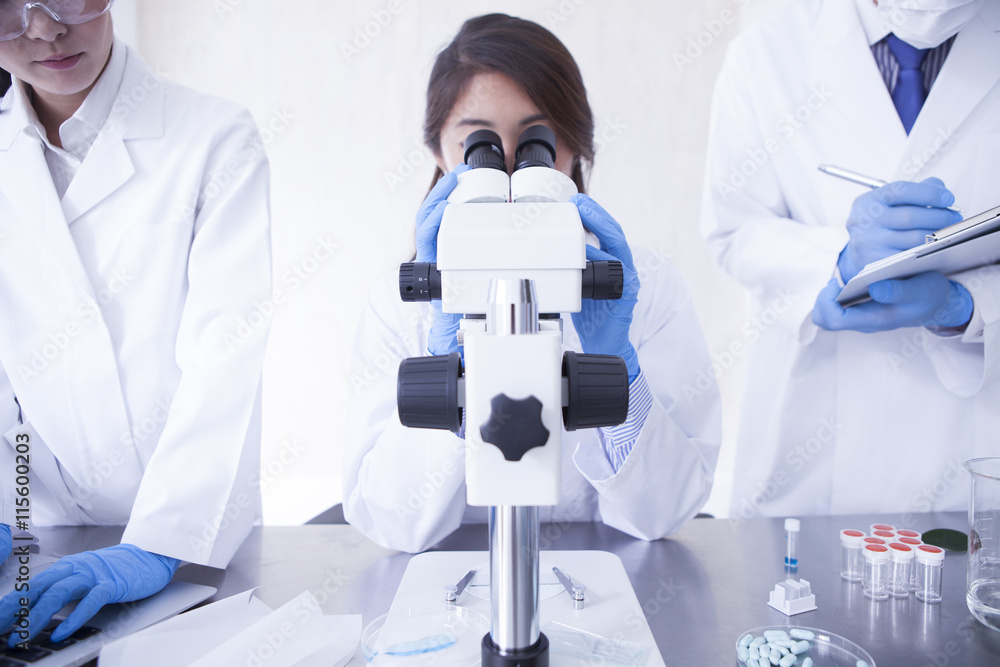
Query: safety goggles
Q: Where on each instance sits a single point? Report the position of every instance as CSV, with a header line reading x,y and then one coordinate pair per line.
x,y
14,13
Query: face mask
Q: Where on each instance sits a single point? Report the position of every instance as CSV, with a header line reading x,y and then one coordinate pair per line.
x,y
926,24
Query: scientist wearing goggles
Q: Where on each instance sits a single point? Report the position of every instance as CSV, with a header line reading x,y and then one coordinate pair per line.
x,y
135,225
405,488
874,407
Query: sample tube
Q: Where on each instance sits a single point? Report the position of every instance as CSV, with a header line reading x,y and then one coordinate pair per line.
x,y
792,544
930,563
912,534
887,535
851,542
874,581
873,540
913,543
902,566
881,526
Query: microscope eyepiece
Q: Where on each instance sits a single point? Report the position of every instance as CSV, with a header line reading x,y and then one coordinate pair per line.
x,y
536,147
484,148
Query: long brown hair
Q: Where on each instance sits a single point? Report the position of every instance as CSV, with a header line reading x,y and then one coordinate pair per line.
x,y
531,57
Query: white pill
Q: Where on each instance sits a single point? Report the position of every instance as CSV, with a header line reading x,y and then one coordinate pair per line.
x,y
742,653
770,635
800,647
862,663
788,660
781,649
807,662
799,633
775,656
746,639
759,641
754,653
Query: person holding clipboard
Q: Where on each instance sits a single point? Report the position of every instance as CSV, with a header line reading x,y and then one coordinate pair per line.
x,y
873,407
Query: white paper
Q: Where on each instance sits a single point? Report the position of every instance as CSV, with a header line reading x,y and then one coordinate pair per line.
x,y
242,630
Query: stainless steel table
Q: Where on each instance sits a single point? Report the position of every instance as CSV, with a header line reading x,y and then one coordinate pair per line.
x,y
700,589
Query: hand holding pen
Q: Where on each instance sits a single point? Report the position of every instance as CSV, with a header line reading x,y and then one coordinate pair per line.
x,y
888,220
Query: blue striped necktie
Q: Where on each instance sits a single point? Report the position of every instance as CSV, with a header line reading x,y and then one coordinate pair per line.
x,y
909,93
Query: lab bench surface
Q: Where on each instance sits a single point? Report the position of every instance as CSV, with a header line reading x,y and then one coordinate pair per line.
x,y
700,589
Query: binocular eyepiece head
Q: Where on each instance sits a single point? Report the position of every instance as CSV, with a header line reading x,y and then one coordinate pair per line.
x,y
536,147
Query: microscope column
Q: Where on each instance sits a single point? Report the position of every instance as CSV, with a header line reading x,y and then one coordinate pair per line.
x,y
514,576
513,530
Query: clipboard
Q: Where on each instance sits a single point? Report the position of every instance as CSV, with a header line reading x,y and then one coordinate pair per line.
x,y
967,244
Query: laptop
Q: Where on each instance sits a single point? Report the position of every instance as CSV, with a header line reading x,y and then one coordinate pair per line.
x,y
112,622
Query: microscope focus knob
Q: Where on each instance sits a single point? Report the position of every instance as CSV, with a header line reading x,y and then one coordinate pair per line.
x,y
427,392
597,386
514,426
419,281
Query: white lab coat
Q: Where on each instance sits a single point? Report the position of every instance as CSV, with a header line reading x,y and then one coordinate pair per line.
x,y
132,339
844,422
405,488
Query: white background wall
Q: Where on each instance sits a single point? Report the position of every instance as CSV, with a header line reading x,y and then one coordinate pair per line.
x,y
337,124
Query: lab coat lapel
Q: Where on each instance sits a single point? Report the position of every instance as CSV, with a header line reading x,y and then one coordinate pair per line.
x,y
137,114
843,57
56,348
969,73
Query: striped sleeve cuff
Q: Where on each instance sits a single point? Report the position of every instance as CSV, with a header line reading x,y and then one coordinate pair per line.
x,y
619,440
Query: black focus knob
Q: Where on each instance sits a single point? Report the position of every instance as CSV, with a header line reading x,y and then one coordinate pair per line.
x,y
603,280
598,390
419,281
515,426
427,392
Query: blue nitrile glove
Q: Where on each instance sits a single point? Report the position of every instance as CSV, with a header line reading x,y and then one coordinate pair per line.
x,y
928,300
6,542
603,325
441,339
893,218
122,573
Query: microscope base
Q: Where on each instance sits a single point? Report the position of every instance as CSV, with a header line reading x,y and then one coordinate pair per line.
x,y
533,656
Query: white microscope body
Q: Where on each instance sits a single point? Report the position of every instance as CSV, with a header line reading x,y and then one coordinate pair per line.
x,y
512,256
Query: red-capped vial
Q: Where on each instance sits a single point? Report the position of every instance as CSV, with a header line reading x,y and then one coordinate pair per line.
x,y
912,534
913,543
851,542
875,580
900,570
873,540
881,526
930,564
887,535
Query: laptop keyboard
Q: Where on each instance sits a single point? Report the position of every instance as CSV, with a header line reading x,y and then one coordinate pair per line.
x,y
41,647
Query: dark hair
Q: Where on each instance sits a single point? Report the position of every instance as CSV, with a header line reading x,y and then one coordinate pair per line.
x,y
4,82
531,57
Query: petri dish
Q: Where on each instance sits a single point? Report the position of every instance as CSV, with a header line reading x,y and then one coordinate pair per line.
x,y
828,649
434,635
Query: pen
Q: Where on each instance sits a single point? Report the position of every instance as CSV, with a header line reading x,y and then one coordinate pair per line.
x,y
860,179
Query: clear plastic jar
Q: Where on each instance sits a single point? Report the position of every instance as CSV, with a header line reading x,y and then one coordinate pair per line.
x,y
930,564
851,542
875,580
913,543
901,569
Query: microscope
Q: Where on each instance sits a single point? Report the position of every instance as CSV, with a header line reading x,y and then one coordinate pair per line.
x,y
512,257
